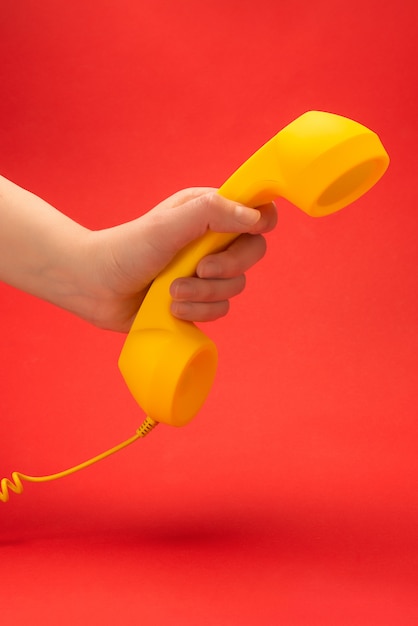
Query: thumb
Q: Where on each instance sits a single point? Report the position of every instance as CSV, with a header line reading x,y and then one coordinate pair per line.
x,y
142,248
215,212
171,228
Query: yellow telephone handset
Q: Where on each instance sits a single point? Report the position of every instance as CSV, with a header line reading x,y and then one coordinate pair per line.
x,y
320,162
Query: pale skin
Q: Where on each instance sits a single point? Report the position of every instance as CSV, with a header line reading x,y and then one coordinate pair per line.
x,y
102,276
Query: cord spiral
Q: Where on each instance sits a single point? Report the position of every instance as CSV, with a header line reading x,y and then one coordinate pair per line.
x,y
14,484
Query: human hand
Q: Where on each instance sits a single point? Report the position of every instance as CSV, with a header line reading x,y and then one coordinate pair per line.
x,y
103,276
126,258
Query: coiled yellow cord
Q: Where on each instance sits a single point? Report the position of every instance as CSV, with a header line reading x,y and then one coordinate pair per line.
x,y
15,484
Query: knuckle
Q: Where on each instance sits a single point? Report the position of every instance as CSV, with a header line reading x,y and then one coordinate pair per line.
x,y
209,200
219,210
221,309
241,282
233,265
262,245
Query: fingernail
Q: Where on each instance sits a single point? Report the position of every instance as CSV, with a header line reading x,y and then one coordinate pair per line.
x,y
247,216
181,289
208,269
180,308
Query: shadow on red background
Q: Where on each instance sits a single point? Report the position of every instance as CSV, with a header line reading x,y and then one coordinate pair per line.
x,y
292,498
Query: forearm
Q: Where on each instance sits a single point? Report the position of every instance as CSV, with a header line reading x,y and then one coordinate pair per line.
x,y
40,248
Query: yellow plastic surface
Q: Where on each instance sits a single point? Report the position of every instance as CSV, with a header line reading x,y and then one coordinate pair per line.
x,y
15,483
320,162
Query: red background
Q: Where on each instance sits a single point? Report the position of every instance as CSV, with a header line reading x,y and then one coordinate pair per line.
x,y
292,497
